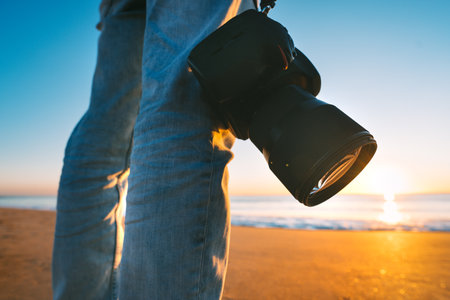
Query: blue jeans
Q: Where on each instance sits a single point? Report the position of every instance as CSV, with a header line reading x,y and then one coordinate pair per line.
x,y
146,118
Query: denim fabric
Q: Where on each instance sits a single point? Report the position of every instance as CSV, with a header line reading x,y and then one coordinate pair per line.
x,y
177,222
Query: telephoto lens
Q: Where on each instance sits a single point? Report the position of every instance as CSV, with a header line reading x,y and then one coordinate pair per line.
x,y
263,88
311,146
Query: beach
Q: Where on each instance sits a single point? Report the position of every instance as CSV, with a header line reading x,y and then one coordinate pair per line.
x,y
264,263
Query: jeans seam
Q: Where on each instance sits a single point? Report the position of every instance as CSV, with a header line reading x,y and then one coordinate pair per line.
x,y
205,230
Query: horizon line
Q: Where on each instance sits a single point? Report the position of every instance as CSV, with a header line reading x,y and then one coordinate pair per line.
x,y
261,195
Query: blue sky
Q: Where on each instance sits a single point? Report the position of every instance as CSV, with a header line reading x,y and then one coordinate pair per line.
x,y
384,63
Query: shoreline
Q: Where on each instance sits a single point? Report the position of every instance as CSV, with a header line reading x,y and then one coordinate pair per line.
x,y
345,212
264,263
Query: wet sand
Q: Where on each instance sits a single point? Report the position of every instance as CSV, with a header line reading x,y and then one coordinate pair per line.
x,y
264,263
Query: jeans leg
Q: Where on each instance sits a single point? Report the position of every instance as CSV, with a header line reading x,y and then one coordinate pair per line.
x,y
177,223
93,184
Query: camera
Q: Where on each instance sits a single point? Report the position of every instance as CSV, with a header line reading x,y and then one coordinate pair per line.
x,y
264,88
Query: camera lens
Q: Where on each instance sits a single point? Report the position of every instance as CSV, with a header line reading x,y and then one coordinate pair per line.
x,y
311,146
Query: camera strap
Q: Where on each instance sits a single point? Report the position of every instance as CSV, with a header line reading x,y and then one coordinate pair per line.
x,y
267,5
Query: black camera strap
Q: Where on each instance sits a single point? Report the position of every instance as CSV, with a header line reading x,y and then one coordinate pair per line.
x,y
267,5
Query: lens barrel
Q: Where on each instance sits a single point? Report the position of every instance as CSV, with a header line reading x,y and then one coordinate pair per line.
x,y
303,138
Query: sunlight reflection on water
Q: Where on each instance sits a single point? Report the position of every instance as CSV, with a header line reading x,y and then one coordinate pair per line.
x,y
390,214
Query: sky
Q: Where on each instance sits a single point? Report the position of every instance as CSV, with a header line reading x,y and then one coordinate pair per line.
x,y
384,63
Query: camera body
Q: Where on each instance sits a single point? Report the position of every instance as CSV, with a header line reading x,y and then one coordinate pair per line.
x,y
263,88
235,63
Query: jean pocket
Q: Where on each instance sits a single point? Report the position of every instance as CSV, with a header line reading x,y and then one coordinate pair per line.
x,y
105,8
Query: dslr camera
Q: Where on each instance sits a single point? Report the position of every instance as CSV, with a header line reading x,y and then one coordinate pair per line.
x,y
265,89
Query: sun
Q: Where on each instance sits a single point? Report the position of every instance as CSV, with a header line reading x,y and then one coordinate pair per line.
x,y
388,181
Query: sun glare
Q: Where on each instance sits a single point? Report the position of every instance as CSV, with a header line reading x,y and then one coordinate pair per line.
x,y
389,181
386,180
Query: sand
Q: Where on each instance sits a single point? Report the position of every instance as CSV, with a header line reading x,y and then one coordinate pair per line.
x,y
264,263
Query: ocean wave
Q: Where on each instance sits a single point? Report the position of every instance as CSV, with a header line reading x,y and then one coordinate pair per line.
x,y
321,224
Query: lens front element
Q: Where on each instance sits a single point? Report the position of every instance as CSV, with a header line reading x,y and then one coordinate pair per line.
x,y
336,172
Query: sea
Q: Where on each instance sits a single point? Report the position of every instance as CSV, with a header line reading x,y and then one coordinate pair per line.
x,y
428,212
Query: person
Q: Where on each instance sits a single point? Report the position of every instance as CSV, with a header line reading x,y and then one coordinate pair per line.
x,y
146,118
